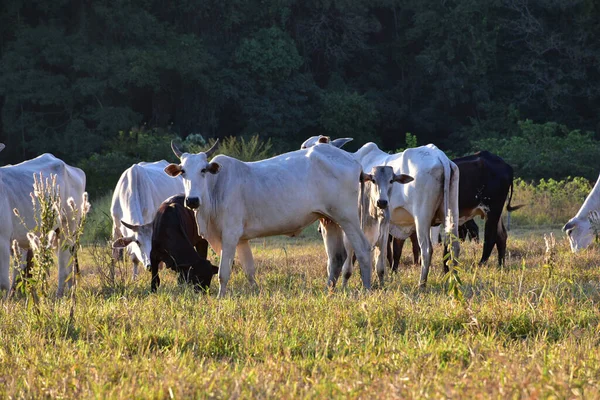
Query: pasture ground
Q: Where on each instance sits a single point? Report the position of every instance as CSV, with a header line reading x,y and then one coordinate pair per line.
x,y
529,330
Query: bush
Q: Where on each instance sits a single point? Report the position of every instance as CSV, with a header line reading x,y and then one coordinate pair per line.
x,y
253,149
99,222
549,202
546,151
103,170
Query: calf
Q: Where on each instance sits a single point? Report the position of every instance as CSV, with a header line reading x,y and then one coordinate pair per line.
x,y
176,242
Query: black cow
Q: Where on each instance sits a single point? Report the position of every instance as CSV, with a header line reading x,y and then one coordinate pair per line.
x,y
468,230
486,180
176,242
484,184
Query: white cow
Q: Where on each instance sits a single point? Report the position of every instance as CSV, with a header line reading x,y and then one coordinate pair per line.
x,y
237,201
141,189
432,197
5,234
18,185
583,227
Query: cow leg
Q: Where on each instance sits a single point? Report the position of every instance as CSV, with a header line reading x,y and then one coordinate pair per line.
x,y
227,254
154,262
245,255
501,242
382,244
389,250
333,239
489,239
397,246
348,263
202,249
426,250
65,277
4,267
415,247
362,248
136,263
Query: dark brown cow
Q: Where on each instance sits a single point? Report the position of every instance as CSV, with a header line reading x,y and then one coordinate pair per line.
x,y
176,242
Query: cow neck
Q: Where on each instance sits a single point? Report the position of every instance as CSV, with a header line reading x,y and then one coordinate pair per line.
x,y
208,208
591,203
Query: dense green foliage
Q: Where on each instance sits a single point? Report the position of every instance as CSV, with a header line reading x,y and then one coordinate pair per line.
x,y
520,78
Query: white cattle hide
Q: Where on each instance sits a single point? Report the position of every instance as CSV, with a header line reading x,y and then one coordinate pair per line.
x,y
141,189
585,225
237,201
18,185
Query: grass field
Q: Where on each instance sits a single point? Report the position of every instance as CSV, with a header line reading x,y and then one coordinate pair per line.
x,y
529,330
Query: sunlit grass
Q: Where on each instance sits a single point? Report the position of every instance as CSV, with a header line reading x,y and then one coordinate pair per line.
x,y
523,331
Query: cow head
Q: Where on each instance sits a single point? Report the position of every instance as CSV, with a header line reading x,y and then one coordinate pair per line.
x,y
138,240
382,179
200,275
314,140
194,168
580,231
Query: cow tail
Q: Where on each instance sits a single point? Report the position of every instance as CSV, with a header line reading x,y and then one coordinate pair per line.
x,y
510,208
361,203
451,179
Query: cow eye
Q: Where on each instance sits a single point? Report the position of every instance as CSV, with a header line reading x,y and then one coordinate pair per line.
x,y
182,171
203,170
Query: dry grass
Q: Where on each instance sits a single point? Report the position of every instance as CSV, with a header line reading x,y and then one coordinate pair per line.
x,y
529,330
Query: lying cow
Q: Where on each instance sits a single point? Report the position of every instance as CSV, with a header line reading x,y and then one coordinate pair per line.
x,y
584,226
139,192
237,201
17,181
176,242
416,206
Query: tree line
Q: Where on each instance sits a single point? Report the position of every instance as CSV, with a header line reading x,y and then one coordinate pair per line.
x,y
97,83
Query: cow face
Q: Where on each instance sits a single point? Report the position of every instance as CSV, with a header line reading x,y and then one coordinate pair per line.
x,y
199,275
382,179
194,169
580,232
138,241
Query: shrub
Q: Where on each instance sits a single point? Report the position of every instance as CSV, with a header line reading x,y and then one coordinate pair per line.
x,y
252,149
548,202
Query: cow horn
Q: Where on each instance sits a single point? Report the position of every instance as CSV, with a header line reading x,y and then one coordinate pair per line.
x,y
175,149
214,147
2,146
340,142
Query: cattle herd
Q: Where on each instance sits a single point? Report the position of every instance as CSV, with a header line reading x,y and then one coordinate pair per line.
x,y
168,214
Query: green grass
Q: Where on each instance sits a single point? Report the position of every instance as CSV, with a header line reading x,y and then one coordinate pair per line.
x,y
525,331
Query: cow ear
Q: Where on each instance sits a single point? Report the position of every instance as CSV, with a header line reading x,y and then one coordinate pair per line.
x,y
134,228
215,269
213,168
341,141
569,225
323,139
403,178
365,177
122,242
173,170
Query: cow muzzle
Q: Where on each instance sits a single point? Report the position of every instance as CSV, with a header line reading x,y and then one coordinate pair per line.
x,y
382,204
192,202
